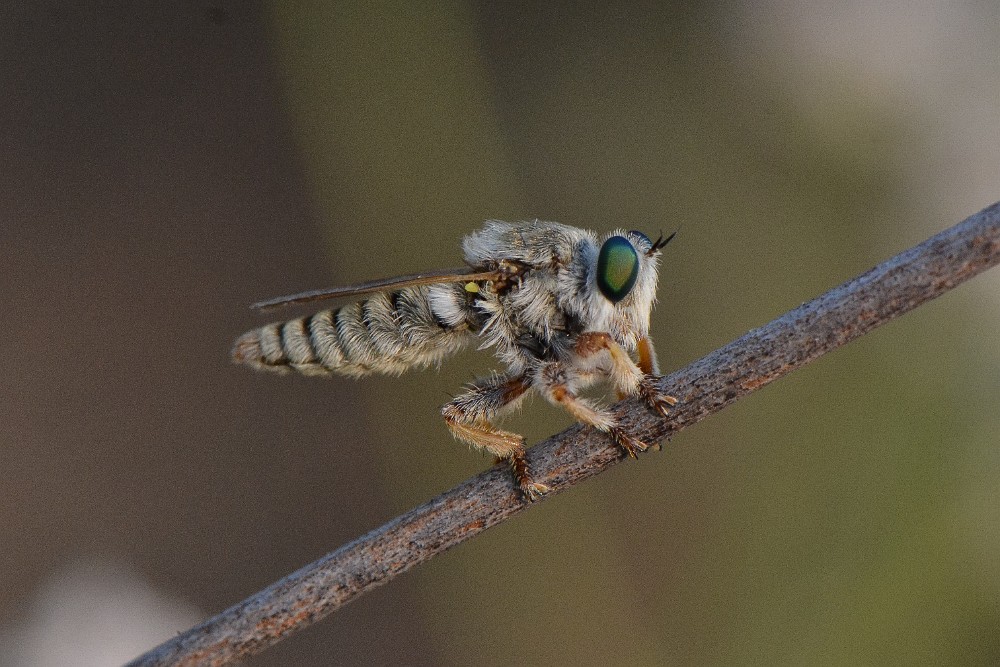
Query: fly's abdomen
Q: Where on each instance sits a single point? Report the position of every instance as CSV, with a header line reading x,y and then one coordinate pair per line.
x,y
387,333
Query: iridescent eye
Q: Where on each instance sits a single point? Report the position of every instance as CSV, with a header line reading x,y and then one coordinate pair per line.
x,y
617,268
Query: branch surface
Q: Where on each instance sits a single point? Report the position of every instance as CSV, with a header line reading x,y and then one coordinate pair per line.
x,y
704,387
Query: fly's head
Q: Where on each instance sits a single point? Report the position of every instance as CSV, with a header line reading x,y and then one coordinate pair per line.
x,y
616,284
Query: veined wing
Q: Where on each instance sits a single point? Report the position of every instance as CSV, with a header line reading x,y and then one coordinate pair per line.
x,y
459,275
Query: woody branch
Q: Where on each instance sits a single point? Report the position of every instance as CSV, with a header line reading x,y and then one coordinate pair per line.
x,y
704,387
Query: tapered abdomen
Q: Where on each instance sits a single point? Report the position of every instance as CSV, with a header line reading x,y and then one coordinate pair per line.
x,y
388,333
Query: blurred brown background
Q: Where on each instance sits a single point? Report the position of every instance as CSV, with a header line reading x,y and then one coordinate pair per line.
x,y
165,166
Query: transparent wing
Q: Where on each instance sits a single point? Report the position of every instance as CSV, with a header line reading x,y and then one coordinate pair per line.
x,y
459,275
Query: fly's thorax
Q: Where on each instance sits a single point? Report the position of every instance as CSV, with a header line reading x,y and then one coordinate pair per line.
x,y
536,243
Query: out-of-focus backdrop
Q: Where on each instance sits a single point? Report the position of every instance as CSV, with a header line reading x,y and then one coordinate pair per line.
x,y
164,165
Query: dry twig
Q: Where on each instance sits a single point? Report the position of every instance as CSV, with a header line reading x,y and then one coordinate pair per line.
x,y
704,387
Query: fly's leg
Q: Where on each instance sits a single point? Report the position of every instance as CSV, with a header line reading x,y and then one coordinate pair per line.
x,y
651,370
629,378
553,383
468,417
647,357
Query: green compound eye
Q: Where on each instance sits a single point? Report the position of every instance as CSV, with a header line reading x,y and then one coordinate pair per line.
x,y
617,268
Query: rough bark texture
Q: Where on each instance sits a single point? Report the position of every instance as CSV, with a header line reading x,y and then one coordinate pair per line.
x,y
704,387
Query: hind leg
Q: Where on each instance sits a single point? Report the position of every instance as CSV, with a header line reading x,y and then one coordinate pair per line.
x,y
468,417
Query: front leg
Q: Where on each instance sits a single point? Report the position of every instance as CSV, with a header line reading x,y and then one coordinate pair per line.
x,y
651,369
629,378
647,357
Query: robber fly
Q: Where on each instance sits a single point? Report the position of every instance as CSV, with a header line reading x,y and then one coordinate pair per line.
x,y
560,307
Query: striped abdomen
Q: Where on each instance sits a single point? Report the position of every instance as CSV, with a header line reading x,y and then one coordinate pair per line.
x,y
388,333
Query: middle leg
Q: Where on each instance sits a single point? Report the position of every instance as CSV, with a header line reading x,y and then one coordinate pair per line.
x,y
554,382
628,377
